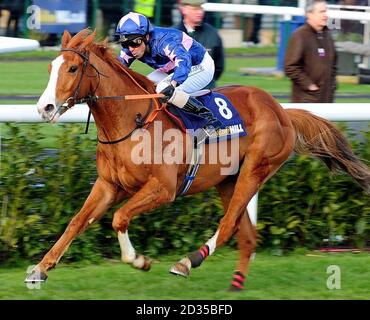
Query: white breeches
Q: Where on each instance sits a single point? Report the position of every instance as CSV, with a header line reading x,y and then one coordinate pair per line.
x,y
199,76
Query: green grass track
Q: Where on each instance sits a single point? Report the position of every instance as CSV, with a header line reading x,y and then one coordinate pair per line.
x,y
294,276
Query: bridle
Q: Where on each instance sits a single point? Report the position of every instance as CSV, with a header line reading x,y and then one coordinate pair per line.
x,y
71,101
92,98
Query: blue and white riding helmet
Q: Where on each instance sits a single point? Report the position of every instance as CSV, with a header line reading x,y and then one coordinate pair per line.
x,y
133,25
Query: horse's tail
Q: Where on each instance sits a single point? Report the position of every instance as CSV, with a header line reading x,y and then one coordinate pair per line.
x,y
319,137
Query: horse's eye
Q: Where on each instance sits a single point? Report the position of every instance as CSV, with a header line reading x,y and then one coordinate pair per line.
x,y
73,69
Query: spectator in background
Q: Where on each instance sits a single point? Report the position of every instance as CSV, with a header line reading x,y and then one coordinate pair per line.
x,y
193,24
16,9
257,23
310,60
166,12
145,7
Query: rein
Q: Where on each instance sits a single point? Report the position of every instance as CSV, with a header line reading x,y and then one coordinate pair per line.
x,y
141,122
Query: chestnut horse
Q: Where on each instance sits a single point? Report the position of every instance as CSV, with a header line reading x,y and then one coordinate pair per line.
x,y
88,71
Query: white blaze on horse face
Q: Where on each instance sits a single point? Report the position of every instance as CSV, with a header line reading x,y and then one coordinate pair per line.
x,y
128,254
49,95
211,243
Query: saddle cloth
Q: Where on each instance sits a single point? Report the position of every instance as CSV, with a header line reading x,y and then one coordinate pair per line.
x,y
222,109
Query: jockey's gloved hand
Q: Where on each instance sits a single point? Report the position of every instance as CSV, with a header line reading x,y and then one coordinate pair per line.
x,y
167,92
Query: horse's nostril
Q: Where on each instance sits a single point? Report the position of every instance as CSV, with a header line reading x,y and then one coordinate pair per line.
x,y
49,107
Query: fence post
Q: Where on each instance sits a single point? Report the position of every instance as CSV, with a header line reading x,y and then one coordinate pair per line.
x,y
26,32
95,7
157,12
125,7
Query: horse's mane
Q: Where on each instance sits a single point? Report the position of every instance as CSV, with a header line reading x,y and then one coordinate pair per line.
x,y
105,52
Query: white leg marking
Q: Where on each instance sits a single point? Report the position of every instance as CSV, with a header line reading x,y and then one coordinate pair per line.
x,y
48,97
211,243
127,250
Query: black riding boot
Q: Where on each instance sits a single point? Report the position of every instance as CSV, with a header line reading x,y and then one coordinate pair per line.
x,y
196,107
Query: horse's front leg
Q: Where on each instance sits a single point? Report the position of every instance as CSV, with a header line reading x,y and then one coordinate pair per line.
x,y
155,192
129,254
102,196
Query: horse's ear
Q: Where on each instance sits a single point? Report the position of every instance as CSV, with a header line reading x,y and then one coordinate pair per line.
x,y
105,42
65,39
88,41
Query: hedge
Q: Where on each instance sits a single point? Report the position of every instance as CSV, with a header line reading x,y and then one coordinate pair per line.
x,y
41,189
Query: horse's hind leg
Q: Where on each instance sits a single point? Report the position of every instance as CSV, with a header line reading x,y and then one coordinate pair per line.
x,y
255,170
247,240
246,236
101,198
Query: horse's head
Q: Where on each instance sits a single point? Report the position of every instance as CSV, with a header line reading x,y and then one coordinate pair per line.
x,y
68,81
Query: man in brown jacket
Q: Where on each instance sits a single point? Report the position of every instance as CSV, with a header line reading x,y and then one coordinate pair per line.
x,y
310,60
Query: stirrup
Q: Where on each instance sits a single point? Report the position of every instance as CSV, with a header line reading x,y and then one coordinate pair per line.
x,y
210,131
196,107
203,134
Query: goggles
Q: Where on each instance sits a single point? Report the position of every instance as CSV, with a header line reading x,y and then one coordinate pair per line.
x,y
134,43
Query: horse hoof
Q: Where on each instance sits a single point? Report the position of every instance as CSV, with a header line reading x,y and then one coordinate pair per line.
x,y
181,268
235,289
36,276
142,262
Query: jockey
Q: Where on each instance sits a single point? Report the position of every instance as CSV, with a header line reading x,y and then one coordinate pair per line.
x,y
182,65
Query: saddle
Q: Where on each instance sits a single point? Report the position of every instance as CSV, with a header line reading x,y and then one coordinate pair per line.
x,y
222,109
